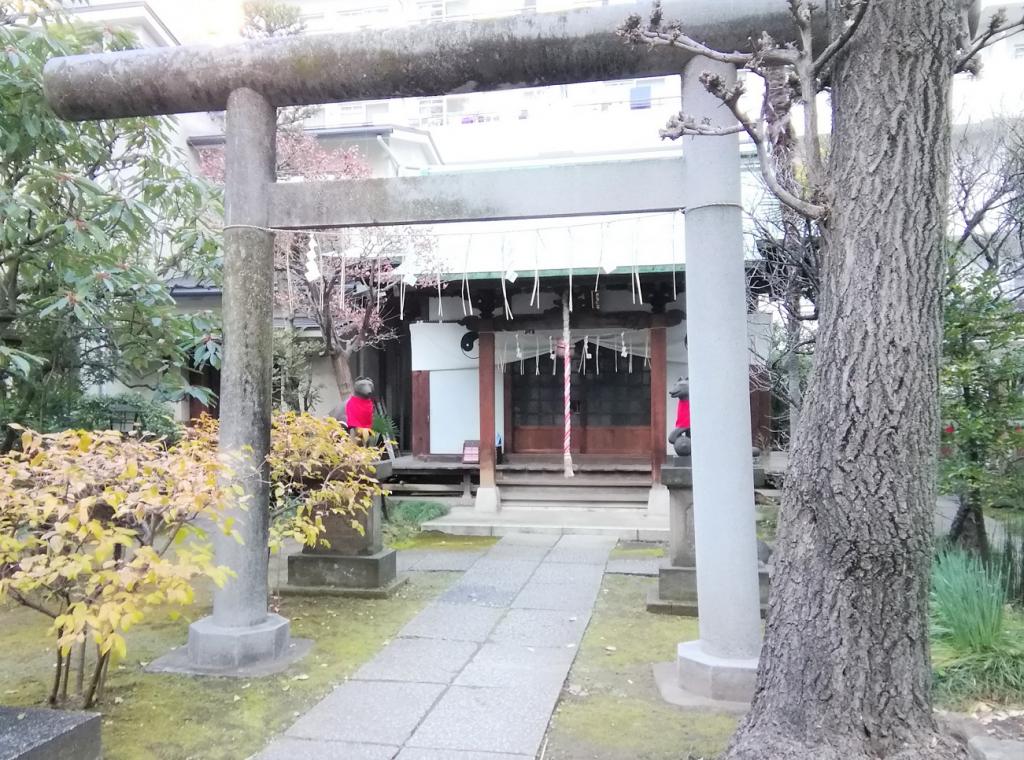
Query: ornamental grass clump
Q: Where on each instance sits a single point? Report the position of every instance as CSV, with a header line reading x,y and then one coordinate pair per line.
x,y
977,639
968,602
97,530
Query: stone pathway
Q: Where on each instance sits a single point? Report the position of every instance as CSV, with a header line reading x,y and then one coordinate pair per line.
x,y
477,674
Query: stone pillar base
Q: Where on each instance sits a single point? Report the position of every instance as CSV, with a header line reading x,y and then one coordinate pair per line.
x,y
658,501
676,593
370,575
240,652
488,499
711,677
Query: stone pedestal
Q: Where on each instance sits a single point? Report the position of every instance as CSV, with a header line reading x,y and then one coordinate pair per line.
x,y
676,593
355,563
30,734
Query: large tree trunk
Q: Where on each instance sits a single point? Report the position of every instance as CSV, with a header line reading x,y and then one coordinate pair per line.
x,y
342,375
845,671
968,528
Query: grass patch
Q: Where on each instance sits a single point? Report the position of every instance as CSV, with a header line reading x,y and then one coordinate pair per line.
x,y
963,676
611,708
406,518
767,522
432,539
150,716
638,551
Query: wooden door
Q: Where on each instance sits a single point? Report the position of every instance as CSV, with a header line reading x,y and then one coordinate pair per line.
x,y
611,405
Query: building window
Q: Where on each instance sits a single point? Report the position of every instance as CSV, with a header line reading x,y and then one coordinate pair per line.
x,y
364,18
352,113
431,11
640,97
431,112
1018,52
378,113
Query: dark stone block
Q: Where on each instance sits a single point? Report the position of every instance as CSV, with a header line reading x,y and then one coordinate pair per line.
x,y
27,734
677,591
340,571
677,475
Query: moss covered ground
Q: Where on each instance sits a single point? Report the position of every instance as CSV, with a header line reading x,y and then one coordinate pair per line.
x,y
150,716
610,708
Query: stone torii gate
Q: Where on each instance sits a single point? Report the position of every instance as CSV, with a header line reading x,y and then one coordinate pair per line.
x,y
252,80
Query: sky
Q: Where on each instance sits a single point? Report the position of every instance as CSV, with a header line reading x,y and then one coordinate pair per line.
x,y
198,21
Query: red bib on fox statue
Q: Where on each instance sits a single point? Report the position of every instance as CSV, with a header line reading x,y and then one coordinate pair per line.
x,y
359,409
680,437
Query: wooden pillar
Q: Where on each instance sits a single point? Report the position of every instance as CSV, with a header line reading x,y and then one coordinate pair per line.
x,y
487,453
420,413
659,399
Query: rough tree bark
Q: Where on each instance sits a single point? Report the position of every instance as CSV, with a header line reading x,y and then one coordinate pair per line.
x,y
342,374
968,528
845,669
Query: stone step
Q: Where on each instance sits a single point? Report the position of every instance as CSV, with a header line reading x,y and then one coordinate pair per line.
x,y
595,495
624,524
626,478
585,506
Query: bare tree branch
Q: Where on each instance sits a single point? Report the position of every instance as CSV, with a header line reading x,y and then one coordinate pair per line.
x,y
998,29
850,29
730,95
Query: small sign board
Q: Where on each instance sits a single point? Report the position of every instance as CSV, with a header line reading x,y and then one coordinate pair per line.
x,y
471,452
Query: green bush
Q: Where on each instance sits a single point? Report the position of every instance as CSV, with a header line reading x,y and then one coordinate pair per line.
x,y
1009,558
968,601
994,675
127,412
406,518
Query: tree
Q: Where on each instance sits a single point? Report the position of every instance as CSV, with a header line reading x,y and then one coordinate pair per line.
x,y
983,348
98,530
845,670
343,279
983,403
96,217
93,535
340,279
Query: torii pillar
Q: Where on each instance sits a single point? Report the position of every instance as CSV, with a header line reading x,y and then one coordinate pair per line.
x,y
242,637
722,664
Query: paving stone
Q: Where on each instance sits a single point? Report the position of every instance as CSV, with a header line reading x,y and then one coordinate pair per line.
x,y
447,561
506,665
308,749
519,551
529,539
587,550
541,628
569,574
511,720
368,712
487,596
504,572
454,622
990,748
406,561
453,754
556,596
418,661
576,541
635,566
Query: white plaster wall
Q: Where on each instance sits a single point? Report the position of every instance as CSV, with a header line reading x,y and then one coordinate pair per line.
x,y
323,382
454,409
435,346
759,331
